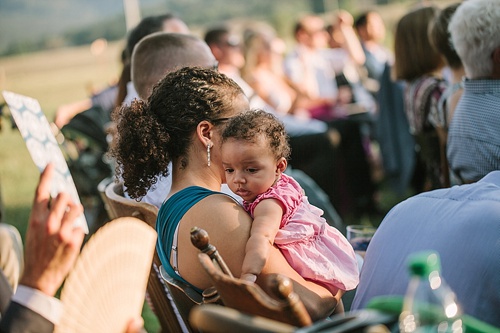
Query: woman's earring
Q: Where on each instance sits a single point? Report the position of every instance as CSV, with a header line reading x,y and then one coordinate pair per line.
x,y
208,154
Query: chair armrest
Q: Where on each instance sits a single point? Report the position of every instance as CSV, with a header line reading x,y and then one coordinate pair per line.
x,y
210,318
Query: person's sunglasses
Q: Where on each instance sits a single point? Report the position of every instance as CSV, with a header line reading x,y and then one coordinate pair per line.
x,y
219,120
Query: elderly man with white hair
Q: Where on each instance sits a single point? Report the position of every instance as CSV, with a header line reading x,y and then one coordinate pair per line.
x,y
474,134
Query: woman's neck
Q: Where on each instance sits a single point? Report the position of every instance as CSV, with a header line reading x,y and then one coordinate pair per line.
x,y
457,74
201,175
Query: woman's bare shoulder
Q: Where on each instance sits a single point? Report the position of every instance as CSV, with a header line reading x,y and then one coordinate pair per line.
x,y
228,226
219,211
222,202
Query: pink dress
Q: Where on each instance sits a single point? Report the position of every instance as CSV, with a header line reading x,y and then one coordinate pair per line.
x,y
316,250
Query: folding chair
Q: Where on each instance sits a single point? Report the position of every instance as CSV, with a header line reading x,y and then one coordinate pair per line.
x,y
210,318
159,294
121,206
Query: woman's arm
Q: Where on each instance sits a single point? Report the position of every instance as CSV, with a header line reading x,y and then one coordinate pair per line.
x,y
228,226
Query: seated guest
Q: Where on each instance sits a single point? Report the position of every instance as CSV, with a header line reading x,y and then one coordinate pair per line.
x,y
161,53
462,225
474,140
11,253
440,39
262,71
52,246
348,57
311,70
148,26
420,66
154,57
227,49
185,115
371,31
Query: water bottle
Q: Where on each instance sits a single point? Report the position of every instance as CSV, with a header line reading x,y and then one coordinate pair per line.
x,y
429,305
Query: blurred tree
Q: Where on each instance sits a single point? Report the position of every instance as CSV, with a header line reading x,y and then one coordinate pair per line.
x,y
318,6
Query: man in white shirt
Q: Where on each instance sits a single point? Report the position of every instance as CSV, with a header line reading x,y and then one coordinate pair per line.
x,y
310,68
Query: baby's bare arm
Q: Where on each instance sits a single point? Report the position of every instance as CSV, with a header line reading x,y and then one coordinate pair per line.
x,y
267,220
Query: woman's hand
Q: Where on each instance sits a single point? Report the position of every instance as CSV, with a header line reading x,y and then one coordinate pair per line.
x,y
249,277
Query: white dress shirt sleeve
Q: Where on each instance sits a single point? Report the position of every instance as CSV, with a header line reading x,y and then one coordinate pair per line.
x,y
49,307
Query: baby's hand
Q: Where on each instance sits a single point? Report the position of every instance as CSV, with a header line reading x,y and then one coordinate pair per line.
x,y
249,277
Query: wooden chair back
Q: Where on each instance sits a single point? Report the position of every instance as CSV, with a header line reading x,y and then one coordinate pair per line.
x,y
101,188
158,291
284,306
121,206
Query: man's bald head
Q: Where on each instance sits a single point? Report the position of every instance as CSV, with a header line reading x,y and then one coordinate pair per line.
x,y
161,53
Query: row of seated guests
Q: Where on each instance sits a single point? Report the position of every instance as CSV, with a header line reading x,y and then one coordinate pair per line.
x,y
414,144
149,71
317,146
296,103
329,150
329,156
461,222
451,149
190,169
429,73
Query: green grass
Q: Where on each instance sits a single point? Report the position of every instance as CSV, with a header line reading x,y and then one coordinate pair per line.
x,y
18,178
151,323
53,78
